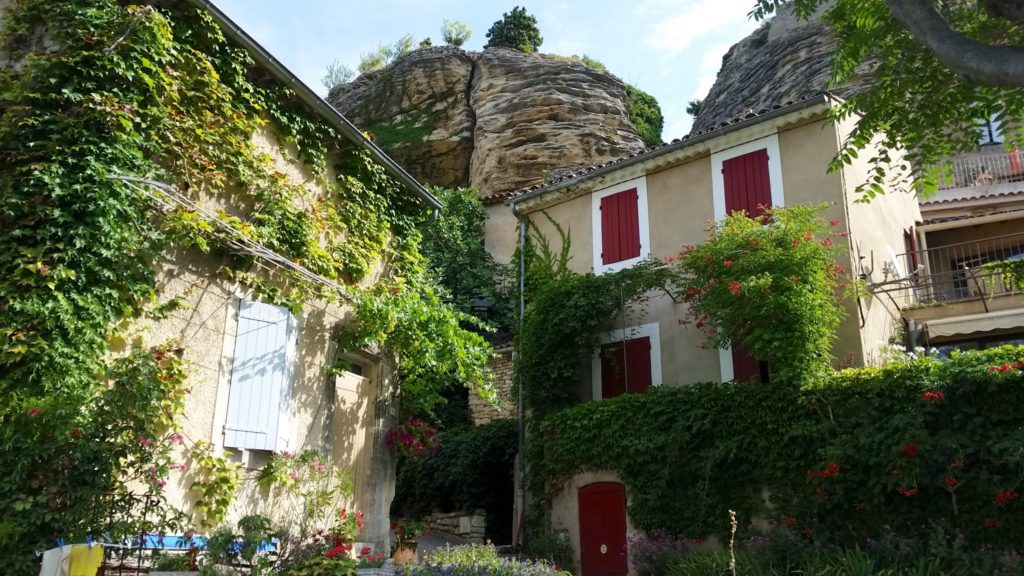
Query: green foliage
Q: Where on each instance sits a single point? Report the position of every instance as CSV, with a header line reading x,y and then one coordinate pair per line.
x,y
337,74
901,448
453,244
645,114
590,62
322,566
243,550
316,487
565,313
158,92
385,54
517,30
693,107
475,560
768,284
455,33
913,102
472,469
215,481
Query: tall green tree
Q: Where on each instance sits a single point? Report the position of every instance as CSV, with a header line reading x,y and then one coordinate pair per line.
x,y
516,29
937,71
455,32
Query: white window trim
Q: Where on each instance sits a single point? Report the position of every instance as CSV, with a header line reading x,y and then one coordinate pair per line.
x,y
770,143
651,330
641,209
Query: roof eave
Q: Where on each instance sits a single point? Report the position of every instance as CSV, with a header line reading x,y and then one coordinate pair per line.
x,y
314,101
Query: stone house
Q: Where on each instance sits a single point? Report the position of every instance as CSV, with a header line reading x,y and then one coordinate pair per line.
x,y
651,204
264,379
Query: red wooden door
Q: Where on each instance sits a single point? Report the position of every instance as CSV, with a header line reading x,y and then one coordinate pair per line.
x,y
626,367
603,529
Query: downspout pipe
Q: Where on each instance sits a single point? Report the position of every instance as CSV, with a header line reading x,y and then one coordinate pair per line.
x,y
520,535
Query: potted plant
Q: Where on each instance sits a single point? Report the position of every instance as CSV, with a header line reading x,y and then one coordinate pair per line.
x,y
372,563
406,532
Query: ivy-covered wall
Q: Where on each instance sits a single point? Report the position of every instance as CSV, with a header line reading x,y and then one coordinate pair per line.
x,y
914,445
90,402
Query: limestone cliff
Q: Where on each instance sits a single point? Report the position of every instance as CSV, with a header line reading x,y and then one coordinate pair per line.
x,y
498,120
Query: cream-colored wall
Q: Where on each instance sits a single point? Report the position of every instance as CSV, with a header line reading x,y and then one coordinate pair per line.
x,y
876,230
334,415
575,220
501,233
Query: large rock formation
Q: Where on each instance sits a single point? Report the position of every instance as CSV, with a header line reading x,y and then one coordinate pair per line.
x,y
498,120
786,60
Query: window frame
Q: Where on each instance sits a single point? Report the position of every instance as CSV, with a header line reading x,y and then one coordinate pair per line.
x,y
642,220
652,331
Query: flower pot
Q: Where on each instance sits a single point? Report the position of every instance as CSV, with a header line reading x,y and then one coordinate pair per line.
x,y
405,554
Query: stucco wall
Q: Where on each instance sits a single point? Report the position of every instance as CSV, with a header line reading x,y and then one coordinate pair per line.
x,y
501,233
573,216
565,509
332,414
876,232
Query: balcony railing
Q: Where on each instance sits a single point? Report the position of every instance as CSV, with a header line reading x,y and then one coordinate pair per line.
x,y
983,170
953,272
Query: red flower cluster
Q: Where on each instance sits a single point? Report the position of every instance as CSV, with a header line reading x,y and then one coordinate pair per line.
x,y
789,520
951,481
1006,367
910,448
827,472
993,523
727,263
735,287
929,395
908,492
414,438
1004,496
827,242
338,550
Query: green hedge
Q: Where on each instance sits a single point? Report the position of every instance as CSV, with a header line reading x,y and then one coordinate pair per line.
x,y
905,447
472,469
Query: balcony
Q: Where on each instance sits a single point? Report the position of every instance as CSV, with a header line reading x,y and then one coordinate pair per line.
x,y
982,170
952,273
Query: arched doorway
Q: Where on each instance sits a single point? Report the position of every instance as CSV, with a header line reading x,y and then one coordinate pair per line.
x,y
602,515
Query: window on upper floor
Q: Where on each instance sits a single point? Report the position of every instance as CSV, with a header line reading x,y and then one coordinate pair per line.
x,y
261,378
990,131
747,177
628,362
621,234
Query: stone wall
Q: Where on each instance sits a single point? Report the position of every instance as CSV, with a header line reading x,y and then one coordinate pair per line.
x,y
484,412
468,525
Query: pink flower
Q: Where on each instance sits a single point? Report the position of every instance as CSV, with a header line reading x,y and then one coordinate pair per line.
x,y
727,263
735,287
929,395
1004,496
176,438
908,492
833,222
33,412
910,448
143,441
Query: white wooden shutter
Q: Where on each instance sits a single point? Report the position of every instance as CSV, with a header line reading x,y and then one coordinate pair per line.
x,y
261,378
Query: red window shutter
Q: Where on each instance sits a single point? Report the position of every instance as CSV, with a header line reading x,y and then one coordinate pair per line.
x,y
744,366
613,377
620,227
747,186
638,363
626,367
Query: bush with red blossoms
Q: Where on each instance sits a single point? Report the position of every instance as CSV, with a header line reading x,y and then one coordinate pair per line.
x,y
769,284
415,437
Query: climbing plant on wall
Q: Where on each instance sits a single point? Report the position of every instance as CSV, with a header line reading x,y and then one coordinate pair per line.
x,y
95,88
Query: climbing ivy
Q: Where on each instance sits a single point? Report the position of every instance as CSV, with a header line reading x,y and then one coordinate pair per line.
x,y
97,88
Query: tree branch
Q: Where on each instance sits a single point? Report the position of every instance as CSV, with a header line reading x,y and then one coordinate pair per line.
x,y
978,63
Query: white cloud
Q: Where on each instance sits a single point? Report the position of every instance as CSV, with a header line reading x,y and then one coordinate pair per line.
x,y
710,62
673,34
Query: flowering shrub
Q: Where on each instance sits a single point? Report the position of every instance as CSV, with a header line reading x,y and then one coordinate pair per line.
x,y
415,438
653,552
926,442
768,284
476,560
407,531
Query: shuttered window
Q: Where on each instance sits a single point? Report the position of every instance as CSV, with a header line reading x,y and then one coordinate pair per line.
x,y
625,367
261,378
620,227
747,184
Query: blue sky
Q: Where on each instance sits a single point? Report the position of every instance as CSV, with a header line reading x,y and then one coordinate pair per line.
x,y
669,48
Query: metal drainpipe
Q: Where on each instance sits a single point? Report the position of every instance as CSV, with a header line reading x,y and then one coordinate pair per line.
x,y
520,535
